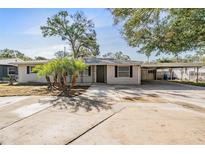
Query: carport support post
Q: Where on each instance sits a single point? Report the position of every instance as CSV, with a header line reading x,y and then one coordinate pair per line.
x,y
182,73
197,74
156,74
170,71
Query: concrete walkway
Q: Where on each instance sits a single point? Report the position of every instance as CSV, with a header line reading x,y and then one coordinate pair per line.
x,y
153,113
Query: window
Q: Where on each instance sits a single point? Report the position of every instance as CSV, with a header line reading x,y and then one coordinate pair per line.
x,y
124,71
29,69
11,71
32,71
87,72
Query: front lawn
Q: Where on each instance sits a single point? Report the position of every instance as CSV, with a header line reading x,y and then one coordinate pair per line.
x,y
201,84
33,89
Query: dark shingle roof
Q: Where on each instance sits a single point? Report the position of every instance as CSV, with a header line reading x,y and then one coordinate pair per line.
x,y
109,61
91,61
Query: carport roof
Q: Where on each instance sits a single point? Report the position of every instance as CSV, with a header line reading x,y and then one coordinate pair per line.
x,y
172,65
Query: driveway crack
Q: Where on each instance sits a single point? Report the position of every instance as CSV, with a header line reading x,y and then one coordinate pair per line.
x,y
91,128
25,118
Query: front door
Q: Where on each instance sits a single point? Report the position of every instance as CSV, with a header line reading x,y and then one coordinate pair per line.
x,y
100,73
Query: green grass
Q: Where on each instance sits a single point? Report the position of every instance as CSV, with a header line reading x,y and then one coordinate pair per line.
x,y
200,84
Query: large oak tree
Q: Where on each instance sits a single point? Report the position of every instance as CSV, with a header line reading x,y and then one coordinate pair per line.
x,y
162,30
76,29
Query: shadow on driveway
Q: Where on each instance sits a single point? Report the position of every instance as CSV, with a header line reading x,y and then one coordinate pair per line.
x,y
80,102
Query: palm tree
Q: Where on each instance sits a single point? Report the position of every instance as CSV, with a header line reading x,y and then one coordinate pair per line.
x,y
59,69
77,66
44,70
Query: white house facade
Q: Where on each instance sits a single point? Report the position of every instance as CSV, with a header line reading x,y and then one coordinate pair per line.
x,y
112,71
100,70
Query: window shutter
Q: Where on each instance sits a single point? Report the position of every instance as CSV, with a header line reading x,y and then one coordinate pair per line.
x,y
131,71
116,71
89,71
28,70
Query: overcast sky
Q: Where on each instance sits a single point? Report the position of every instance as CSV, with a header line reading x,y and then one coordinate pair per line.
x,y
20,30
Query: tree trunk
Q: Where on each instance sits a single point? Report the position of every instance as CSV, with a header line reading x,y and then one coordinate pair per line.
x,y
55,79
74,80
50,88
59,83
65,80
65,85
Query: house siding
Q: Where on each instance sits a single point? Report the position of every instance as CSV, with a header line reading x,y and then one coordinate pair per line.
x,y
32,77
85,79
134,80
23,77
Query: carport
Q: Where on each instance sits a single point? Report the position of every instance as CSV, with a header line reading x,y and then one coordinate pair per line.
x,y
149,71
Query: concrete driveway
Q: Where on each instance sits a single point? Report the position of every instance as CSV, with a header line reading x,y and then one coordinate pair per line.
x,y
152,113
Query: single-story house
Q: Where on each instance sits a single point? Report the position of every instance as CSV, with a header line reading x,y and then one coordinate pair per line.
x,y
7,68
100,70
111,71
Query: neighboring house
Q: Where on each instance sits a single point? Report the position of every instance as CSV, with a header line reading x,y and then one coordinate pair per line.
x,y
6,68
100,70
